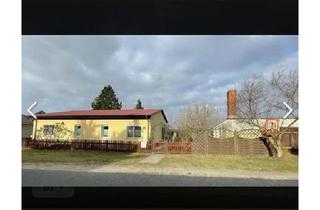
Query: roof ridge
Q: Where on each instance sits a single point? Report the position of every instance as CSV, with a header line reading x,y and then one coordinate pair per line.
x,y
111,109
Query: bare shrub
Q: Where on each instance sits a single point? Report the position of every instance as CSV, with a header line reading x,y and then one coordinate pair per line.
x,y
195,119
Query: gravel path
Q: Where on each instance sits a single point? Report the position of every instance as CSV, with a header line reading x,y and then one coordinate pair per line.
x,y
153,159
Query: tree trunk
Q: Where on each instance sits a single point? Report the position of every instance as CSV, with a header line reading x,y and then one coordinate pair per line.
x,y
276,144
279,152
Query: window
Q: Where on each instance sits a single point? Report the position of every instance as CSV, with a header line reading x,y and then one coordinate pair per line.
x,y
77,130
48,129
130,131
104,130
137,131
134,131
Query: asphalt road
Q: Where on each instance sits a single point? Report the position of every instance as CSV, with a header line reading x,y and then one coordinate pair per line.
x,y
36,177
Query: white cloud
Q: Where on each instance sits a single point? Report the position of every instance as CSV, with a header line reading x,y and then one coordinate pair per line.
x,y
67,72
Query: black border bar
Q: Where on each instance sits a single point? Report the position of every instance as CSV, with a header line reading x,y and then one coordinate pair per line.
x,y
111,17
160,197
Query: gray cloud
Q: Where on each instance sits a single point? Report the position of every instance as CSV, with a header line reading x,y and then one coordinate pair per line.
x,y
169,72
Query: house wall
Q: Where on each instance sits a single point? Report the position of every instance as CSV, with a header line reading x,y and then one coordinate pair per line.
x,y
91,129
26,130
157,122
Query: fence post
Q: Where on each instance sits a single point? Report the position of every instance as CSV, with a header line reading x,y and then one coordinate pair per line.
x,y
71,145
235,142
206,143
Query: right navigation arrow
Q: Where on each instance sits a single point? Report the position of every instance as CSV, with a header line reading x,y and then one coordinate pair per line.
x,y
289,110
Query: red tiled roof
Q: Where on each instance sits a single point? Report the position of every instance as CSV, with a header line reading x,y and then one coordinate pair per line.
x,y
108,112
101,113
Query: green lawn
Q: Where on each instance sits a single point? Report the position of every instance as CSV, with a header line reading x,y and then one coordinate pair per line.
x,y
288,163
80,157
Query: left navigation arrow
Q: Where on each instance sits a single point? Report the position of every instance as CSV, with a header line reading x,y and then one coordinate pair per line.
x,y
30,108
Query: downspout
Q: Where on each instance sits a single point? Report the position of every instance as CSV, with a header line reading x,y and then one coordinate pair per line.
x,y
148,128
35,130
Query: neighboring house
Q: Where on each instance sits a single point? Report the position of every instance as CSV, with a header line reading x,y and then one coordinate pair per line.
x,y
125,124
41,112
26,126
238,124
233,123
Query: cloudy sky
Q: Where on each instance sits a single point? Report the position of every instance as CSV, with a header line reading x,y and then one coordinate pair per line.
x,y
170,72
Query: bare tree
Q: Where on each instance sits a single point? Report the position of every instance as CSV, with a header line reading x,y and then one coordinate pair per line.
x,y
285,85
262,97
196,118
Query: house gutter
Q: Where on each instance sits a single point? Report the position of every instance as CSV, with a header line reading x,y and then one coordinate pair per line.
x,y
148,120
35,130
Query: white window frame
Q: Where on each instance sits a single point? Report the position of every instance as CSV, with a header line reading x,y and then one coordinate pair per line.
x,y
102,131
75,131
133,133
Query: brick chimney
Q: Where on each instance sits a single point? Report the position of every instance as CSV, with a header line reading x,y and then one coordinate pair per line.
x,y
232,104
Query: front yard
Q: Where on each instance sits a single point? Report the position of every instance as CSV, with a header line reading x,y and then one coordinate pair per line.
x,y
288,163
80,157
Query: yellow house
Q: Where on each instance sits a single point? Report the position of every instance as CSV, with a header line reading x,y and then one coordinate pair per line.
x,y
123,124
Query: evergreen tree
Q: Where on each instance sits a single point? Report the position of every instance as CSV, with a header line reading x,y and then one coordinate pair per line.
x,y
139,105
106,100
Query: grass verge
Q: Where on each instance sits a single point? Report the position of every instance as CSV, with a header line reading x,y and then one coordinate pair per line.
x,y
287,163
80,157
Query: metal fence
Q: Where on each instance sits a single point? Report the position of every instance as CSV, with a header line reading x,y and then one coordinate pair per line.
x,y
171,147
123,146
117,146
